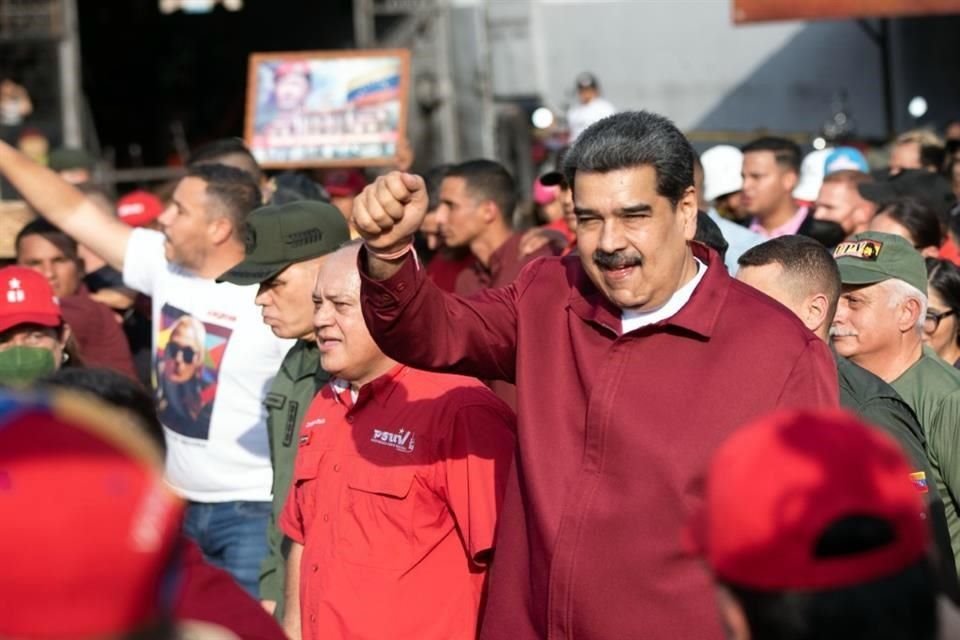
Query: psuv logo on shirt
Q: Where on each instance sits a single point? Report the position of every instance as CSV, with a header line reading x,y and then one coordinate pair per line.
x,y
401,440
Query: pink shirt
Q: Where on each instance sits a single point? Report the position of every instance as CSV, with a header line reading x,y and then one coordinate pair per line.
x,y
788,228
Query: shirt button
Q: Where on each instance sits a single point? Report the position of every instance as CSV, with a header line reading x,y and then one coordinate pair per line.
x,y
326,517
336,467
349,418
313,618
401,287
316,568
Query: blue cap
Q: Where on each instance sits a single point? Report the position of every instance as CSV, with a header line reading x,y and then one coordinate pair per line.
x,y
845,158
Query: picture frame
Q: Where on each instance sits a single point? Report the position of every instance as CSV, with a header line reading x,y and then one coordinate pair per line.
x,y
327,108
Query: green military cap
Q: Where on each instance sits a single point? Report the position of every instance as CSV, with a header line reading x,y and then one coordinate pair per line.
x,y
871,257
281,235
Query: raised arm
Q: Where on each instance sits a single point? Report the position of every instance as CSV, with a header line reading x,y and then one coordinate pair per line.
x,y
65,206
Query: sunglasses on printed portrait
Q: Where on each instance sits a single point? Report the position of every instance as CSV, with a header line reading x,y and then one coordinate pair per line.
x,y
187,353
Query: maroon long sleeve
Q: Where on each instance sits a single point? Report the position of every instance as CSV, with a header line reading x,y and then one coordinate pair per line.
x,y
614,433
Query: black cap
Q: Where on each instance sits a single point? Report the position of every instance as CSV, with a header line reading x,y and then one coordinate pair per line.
x,y
587,80
931,189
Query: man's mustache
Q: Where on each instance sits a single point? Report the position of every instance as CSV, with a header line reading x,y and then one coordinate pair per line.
x,y
616,259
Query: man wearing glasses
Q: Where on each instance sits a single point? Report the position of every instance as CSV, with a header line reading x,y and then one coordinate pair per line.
x,y
879,325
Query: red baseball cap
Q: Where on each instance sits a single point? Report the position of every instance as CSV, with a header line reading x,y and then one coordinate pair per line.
x,y
89,525
139,208
27,297
344,182
776,486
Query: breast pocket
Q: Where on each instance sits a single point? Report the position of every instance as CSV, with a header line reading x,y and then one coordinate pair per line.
x,y
377,517
304,484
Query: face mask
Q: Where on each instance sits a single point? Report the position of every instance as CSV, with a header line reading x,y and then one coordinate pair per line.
x,y
21,366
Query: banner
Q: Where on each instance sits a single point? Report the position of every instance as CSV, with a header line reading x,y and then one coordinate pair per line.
x,y
761,10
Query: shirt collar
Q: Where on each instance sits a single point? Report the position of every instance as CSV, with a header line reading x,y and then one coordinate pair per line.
x,y
788,228
698,316
510,247
378,390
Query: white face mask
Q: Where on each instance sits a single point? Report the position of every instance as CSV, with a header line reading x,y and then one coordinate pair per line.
x,y
11,112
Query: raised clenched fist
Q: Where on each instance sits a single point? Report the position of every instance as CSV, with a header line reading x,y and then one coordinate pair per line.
x,y
389,211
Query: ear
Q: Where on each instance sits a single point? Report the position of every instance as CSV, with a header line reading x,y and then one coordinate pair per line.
x,y
220,230
789,179
489,211
732,617
65,335
930,252
908,315
686,211
815,309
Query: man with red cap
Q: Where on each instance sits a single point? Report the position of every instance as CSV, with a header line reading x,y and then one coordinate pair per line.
x,y
33,335
814,528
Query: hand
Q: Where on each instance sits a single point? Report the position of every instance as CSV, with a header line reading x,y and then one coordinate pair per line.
x,y
389,211
539,237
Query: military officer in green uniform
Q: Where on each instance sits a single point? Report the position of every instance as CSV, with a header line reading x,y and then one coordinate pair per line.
x,y
285,246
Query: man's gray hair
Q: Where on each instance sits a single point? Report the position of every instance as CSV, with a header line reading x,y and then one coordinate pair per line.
x,y
899,291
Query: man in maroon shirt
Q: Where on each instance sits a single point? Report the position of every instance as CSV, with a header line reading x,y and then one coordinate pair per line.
x,y
633,361
477,199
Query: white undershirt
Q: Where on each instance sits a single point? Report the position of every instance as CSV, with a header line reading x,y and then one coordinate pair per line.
x,y
340,385
631,320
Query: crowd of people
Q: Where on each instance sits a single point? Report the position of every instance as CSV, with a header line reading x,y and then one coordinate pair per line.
x,y
690,396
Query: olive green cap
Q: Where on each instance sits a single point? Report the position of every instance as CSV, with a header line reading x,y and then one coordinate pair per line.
x,y
280,235
871,257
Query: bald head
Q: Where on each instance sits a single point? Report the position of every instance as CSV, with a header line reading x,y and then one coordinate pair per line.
x,y
339,270
347,350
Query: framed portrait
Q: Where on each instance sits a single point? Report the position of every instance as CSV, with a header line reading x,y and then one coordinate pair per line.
x,y
327,108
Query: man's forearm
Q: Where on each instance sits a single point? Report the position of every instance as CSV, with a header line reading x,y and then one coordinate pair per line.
x,y
64,206
291,614
380,269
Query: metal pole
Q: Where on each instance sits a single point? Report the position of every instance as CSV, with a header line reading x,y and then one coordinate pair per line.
x,y
446,113
71,98
364,24
485,78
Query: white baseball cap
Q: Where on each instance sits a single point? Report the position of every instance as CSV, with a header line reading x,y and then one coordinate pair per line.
x,y
722,167
811,175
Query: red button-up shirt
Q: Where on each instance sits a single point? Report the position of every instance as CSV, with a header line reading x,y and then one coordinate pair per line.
x,y
614,433
395,500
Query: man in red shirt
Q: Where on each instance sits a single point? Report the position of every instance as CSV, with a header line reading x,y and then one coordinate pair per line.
x,y
396,487
633,360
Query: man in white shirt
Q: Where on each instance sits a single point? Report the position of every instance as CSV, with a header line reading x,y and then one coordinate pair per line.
x,y
213,356
590,108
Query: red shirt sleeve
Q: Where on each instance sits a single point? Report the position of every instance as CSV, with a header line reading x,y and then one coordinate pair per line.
x,y
813,380
475,467
416,323
291,519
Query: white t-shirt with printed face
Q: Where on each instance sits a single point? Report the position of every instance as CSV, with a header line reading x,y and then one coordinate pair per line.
x,y
213,362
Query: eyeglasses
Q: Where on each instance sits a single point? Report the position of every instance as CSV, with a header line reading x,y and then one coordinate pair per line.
x,y
187,353
932,320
